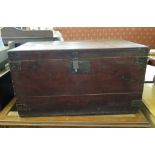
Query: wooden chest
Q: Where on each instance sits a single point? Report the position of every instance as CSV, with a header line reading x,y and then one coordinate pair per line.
x,y
78,78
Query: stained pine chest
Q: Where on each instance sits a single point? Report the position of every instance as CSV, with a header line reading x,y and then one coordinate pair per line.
x,y
78,78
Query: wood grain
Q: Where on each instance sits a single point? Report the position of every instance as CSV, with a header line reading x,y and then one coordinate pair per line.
x,y
109,78
55,77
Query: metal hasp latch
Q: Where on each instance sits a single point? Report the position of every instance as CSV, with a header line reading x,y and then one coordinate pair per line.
x,y
79,66
75,64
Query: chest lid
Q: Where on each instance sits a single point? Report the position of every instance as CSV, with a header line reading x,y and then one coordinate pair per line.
x,y
101,48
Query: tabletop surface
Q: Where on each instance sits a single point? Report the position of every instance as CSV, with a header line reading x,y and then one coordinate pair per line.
x,y
149,97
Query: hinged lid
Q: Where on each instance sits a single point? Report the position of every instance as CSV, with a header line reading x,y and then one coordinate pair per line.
x,y
84,49
77,45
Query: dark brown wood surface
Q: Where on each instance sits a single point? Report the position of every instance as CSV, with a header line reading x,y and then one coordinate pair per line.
x,y
10,118
79,45
47,75
46,84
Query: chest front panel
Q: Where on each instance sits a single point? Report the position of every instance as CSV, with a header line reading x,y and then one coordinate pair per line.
x,y
93,76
